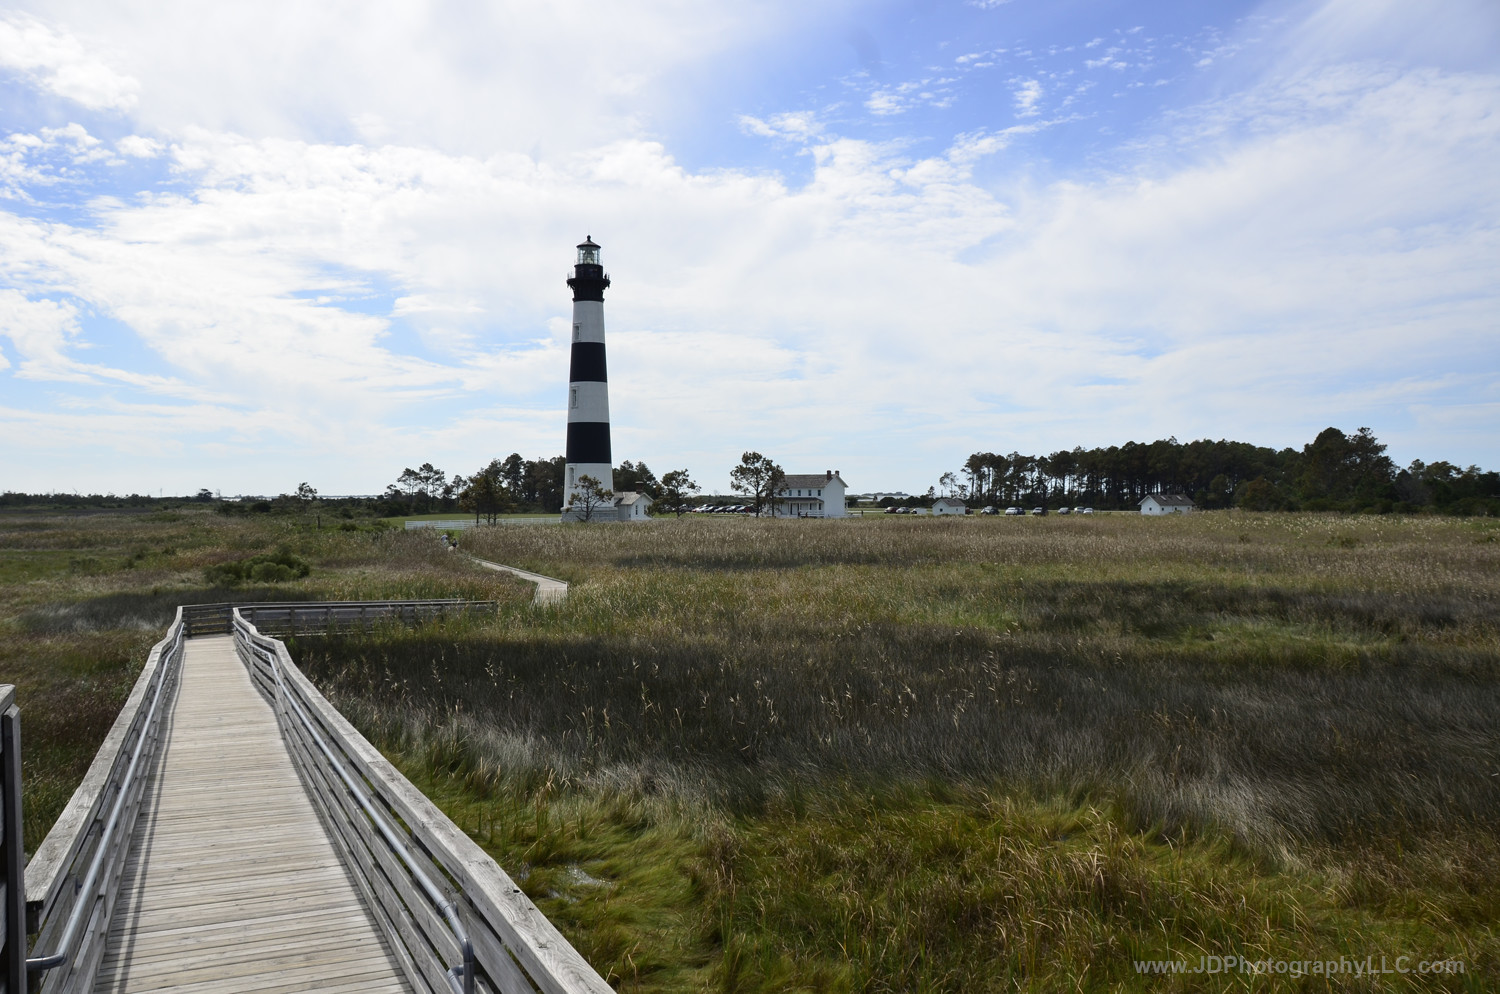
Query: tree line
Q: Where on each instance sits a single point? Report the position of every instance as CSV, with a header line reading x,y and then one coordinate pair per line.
x,y
514,485
1333,472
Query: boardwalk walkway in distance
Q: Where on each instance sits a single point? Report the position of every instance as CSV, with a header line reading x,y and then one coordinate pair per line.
x,y
232,884
548,590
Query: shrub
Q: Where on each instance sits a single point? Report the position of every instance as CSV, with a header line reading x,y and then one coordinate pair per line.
x,y
268,567
272,573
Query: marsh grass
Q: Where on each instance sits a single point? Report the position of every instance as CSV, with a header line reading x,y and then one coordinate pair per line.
x,y
83,598
976,754
885,755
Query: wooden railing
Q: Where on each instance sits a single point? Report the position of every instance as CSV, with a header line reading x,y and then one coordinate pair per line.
x,y
12,853
73,879
297,618
452,917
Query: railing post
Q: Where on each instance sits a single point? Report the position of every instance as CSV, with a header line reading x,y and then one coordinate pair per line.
x,y
12,854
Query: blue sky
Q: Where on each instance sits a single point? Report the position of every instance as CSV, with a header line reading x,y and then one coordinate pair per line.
x,y
247,245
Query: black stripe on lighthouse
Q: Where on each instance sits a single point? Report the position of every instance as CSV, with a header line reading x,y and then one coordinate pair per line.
x,y
588,442
588,281
587,364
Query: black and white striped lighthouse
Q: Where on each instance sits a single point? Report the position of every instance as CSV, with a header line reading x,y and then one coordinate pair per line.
x,y
588,386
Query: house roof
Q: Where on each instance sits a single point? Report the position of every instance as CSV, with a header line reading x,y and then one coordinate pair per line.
x,y
949,502
630,497
806,480
1168,500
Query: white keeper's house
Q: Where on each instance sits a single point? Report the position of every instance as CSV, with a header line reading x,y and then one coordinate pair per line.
x,y
1165,504
812,495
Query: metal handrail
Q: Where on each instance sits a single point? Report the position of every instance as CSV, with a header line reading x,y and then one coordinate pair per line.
x,y
445,907
76,917
12,849
217,618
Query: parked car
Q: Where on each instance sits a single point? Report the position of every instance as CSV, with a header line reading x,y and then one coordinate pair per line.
x,y
1038,510
989,510
1012,510
1085,510
1064,510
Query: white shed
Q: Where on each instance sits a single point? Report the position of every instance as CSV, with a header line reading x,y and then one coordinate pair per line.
x,y
1165,504
631,506
949,505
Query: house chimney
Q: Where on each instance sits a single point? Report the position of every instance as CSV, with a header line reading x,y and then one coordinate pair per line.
x,y
828,474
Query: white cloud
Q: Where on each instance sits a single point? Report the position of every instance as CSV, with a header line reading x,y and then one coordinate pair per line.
x,y
55,61
41,331
47,158
798,126
1319,243
138,147
885,103
1027,92
470,78
1139,281
80,146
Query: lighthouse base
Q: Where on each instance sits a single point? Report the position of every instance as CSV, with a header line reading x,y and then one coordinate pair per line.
x,y
573,509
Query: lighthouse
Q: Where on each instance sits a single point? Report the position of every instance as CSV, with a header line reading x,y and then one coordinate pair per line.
x,y
588,387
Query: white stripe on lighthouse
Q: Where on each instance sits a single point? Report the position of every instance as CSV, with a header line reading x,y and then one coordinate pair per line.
x,y
588,401
588,321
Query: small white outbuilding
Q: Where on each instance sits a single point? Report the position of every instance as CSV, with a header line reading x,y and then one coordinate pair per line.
x,y
631,506
949,505
1165,504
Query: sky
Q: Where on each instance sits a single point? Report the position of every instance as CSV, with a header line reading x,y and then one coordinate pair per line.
x,y
247,245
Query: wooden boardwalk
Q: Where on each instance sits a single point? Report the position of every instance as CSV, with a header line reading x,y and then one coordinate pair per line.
x,y
231,884
548,589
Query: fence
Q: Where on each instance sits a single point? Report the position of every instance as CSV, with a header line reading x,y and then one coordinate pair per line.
x,y
73,880
453,919
12,855
292,618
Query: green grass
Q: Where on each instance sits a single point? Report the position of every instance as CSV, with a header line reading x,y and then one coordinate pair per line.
x,y
973,754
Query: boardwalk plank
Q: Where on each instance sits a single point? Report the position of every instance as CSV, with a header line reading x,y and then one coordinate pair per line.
x,y
232,884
